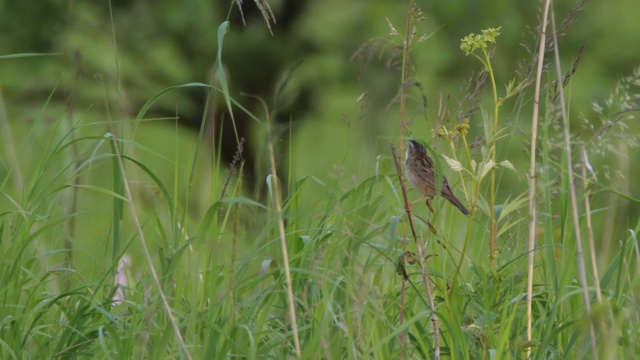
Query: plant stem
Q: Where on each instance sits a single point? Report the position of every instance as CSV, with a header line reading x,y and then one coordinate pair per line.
x,y
532,171
405,75
572,193
492,192
147,254
425,278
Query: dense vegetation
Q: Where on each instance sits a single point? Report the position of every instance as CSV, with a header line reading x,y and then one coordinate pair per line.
x,y
187,180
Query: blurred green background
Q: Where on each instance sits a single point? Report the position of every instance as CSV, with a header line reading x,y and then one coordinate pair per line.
x,y
141,47
329,73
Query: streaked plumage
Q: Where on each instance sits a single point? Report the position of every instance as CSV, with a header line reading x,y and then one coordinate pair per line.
x,y
420,172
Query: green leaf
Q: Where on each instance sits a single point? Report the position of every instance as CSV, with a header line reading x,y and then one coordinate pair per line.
x,y
507,164
486,168
454,164
26,55
243,201
98,190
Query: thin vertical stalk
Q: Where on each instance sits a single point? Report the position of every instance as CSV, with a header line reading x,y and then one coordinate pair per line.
x,y
143,242
283,240
405,75
532,169
402,293
73,201
425,279
587,210
492,193
582,273
403,125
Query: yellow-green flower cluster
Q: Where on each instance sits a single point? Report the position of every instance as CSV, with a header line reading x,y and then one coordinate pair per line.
x,y
473,42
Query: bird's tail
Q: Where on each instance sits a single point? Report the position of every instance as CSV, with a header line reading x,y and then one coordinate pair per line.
x,y
454,200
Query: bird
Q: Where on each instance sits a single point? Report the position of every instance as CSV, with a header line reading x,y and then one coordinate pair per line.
x,y
421,173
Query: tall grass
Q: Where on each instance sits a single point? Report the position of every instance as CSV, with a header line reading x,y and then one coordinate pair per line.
x,y
325,270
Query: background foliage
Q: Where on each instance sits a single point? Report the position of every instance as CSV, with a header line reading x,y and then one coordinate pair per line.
x,y
73,74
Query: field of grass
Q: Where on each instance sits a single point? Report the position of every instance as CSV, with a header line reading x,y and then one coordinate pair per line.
x,y
124,236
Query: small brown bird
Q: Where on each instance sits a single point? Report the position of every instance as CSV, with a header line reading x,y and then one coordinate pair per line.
x,y
420,171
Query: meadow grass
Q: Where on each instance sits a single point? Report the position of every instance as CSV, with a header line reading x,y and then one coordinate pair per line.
x,y
331,269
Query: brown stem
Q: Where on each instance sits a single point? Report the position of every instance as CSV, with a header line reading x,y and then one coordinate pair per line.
x,y
532,173
425,279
